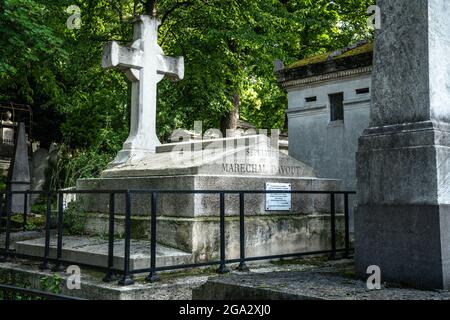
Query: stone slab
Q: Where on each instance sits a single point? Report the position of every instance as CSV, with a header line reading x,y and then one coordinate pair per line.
x,y
401,223
19,236
94,251
311,284
243,156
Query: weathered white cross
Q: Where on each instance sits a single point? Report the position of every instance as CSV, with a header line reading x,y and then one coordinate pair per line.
x,y
145,65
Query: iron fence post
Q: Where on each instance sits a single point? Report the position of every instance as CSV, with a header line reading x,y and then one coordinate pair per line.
x,y
347,228
60,220
242,265
1,205
2,257
110,276
6,256
48,222
222,268
333,226
25,211
153,276
127,278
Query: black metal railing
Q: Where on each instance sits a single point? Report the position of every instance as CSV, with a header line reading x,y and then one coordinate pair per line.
x,y
127,274
8,292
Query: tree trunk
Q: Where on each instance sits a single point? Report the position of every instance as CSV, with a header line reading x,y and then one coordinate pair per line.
x,y
150,7
229,120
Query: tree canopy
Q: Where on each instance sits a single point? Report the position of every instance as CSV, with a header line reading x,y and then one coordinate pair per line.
x,y
229,48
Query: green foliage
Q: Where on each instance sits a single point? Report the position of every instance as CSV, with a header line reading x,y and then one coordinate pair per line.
x,y
75,218
73,164
2,183
52,284
29,44
229,48
39,208
15,279
33,222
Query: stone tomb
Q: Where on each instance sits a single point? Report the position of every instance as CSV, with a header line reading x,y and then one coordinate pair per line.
x,y
190,222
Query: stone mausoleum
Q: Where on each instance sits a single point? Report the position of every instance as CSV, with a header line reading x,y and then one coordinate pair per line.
x,y
328,109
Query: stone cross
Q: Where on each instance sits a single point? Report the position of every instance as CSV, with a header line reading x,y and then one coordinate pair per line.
x,y
145,65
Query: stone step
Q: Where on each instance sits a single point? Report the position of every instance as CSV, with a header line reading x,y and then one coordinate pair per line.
x,y
19,236
94,251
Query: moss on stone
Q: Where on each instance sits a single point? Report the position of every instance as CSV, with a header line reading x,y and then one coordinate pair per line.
x,y
310,261
348,273
207,271
365,48
310,60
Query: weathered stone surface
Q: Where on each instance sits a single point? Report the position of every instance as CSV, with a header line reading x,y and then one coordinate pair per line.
x,y
94,252
411,63
242,156
19,175
410,247
319,283
264,235
189,205
190,222
403,170
19,236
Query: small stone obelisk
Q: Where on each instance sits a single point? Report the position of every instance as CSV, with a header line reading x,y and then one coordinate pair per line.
x,y
402,223
19,172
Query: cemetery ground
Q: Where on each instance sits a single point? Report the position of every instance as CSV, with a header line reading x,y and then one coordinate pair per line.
x,y
309,278
206,203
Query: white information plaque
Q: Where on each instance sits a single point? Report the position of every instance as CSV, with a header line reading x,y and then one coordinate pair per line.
x,y
278,201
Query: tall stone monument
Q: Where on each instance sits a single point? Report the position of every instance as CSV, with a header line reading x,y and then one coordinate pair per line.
x,y
402,223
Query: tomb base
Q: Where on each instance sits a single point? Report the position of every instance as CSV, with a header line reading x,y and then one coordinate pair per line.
x,y
264,234
402,221
410,248
190,222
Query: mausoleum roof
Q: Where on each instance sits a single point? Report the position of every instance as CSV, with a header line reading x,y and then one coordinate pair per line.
x,y
356,56
334,55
